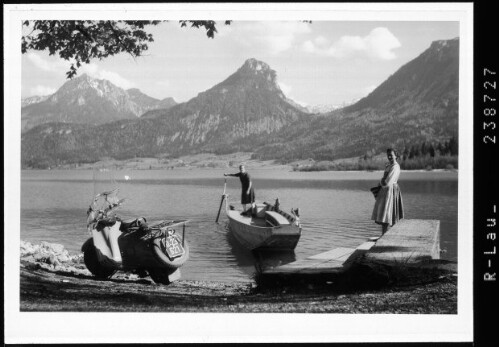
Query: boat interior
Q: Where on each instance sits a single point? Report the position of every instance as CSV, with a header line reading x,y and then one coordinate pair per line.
x,y
266,216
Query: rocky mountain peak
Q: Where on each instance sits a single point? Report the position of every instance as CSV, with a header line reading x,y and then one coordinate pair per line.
x,y
253,68
88,100
84,76
439,44
86,89
254,76
443,49
83,82
255,65
87,81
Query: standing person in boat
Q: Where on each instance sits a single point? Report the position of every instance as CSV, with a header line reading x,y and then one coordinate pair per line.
x,y
389,208
247,192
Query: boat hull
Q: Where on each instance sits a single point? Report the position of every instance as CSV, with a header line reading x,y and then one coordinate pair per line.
x,y
256,234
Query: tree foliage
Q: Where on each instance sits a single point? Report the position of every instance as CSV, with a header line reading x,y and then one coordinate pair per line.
x,y
80,41
209,25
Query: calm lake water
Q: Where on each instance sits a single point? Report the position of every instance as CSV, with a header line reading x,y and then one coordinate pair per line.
x,y
335,210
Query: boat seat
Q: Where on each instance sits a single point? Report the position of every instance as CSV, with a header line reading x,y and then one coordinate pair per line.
x,y
275,218
260,210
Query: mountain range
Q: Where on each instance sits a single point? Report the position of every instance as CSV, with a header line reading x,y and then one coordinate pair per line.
x,y
247,103
247,112
418,103
86,100
328,108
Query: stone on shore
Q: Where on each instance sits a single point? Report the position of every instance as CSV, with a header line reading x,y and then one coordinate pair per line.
x,y
54,248
52,254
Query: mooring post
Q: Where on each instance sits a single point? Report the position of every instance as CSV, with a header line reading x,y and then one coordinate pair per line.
x,y
183,234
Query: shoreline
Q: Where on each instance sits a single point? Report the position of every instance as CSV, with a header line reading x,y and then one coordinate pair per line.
x,y
60,282
207,161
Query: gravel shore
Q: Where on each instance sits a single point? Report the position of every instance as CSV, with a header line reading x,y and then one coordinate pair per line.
x,y
49,284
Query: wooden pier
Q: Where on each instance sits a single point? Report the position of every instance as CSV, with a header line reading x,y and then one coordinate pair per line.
x,y
410,241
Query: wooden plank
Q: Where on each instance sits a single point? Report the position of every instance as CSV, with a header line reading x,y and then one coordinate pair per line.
x,y
301,264
409,241
327,267
366,246
306,271
329,262
333,254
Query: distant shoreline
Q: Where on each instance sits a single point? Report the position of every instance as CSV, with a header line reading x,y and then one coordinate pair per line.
x,y
232,161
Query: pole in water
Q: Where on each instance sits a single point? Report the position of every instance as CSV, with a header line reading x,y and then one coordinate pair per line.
x,y
183,235
220,208
221,201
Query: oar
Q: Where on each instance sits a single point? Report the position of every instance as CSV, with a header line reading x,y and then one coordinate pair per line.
x,y
222,201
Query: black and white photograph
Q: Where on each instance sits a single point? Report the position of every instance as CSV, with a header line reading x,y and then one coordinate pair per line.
x,y
238,172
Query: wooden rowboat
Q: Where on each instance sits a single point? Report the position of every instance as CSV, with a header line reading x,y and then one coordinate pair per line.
x,y
268,229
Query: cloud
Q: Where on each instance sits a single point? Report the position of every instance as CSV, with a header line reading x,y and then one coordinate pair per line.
x,y
321,41
309,47
40,90
163,83
46,65
272,36
95,71
61,66
378,44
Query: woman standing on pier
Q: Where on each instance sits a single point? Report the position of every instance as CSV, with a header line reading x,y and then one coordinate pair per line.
x,y
389,208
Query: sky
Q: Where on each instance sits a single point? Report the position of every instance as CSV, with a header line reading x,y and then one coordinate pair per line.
x,y
318,63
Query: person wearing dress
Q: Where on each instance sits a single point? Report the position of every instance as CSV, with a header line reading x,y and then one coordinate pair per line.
x,y
247,191
389,207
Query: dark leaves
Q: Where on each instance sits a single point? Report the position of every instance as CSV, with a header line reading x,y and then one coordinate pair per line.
x,y
208,25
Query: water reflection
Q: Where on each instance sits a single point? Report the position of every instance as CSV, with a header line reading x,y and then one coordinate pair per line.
x,y
256,260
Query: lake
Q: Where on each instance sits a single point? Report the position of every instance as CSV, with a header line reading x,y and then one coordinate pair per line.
x,y
335,209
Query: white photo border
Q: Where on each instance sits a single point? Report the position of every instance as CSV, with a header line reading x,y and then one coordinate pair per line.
x,y
77,327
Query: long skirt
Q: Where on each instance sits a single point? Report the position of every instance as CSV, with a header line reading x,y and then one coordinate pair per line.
x,y
247,198
389,207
